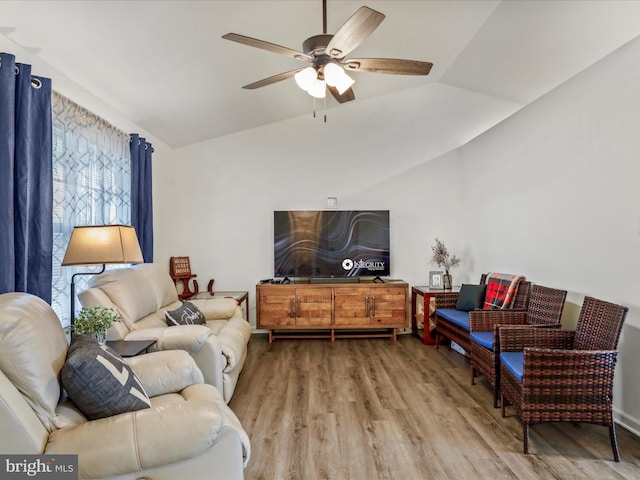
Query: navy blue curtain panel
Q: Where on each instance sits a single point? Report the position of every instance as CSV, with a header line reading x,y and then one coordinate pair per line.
x,y
141,194
26,180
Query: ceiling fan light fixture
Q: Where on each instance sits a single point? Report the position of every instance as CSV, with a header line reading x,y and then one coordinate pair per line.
x,y
332,73
318,89
335,76
305,78
344,83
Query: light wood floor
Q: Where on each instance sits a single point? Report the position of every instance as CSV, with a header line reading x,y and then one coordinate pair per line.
x,y
373,409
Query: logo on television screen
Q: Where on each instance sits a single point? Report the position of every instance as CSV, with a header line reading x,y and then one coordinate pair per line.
x,y
347,264
369,265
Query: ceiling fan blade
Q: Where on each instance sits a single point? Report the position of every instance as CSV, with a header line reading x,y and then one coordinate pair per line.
x,y
354,31
271,47
347,96
395,66
273,79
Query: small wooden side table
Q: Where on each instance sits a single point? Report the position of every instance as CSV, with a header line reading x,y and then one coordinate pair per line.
x,y
426,293
239,296
130,348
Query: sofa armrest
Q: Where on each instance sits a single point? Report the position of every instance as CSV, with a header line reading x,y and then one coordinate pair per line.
x,y
216,308
485,320
445,300
233,338
167,371
178,337
515,338
172,430
591,370
205,348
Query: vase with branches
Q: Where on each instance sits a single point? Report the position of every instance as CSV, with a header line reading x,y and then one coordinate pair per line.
x,y
442,258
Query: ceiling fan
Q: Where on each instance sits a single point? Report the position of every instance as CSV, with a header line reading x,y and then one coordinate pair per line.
x,y
326,54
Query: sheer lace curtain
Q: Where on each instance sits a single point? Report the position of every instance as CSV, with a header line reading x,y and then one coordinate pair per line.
x,y
91,185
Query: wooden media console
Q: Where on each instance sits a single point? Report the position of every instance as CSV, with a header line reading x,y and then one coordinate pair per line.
x,y
332,310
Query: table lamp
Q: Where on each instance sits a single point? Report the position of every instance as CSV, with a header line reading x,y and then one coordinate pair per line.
x,y
100,245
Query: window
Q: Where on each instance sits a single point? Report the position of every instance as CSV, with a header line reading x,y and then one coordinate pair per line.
x,y
91,186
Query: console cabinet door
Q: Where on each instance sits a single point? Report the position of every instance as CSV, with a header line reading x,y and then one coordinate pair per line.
x,y
313,307
330,307
387,306
277,307
351,306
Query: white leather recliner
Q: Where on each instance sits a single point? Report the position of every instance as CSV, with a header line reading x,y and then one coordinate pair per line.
x,y
143,293
188,432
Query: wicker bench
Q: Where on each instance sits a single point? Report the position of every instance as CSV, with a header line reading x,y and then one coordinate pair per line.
x,y
456,327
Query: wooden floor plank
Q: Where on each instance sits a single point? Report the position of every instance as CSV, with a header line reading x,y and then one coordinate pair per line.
x,y
373,409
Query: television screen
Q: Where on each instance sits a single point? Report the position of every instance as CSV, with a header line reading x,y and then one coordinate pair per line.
x,y
331,243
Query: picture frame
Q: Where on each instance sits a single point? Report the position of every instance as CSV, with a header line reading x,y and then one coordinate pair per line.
x,y
436,280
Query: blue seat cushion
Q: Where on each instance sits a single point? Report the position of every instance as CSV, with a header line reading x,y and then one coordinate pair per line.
x,y
514,361
484,339
457,317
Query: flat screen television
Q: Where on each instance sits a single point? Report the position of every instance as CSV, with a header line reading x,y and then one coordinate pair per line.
x,y
331,243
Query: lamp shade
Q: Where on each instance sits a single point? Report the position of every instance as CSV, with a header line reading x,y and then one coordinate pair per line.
x,y
101,244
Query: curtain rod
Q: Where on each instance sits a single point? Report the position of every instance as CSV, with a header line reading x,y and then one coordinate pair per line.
x,y
145,146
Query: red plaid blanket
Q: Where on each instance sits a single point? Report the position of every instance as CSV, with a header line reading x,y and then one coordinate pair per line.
x,y
501,290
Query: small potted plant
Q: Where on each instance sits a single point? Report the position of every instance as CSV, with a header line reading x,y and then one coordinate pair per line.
x,y
95,321
444,259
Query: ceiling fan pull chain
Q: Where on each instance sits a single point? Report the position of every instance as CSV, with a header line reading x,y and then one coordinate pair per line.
x,y
325,109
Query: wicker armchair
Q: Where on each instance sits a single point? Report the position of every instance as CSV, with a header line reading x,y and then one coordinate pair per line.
x,y
545,308
460,334
551,375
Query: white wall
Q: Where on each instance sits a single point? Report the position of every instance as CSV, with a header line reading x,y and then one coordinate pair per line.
x,y
232,185
70,89
553,193
550,193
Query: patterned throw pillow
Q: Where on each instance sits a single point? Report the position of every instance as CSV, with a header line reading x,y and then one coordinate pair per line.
x,y
187,314
99,381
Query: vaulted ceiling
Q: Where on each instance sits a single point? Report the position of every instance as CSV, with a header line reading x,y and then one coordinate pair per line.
x,y
164,65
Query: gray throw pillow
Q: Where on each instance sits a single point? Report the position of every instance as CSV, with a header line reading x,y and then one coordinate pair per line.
x,y
99,381
187,314
471,297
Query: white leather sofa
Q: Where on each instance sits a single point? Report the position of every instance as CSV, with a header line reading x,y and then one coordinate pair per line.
x,y
188,432
143,293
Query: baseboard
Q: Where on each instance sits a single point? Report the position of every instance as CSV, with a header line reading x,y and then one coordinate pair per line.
x,y
627,421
